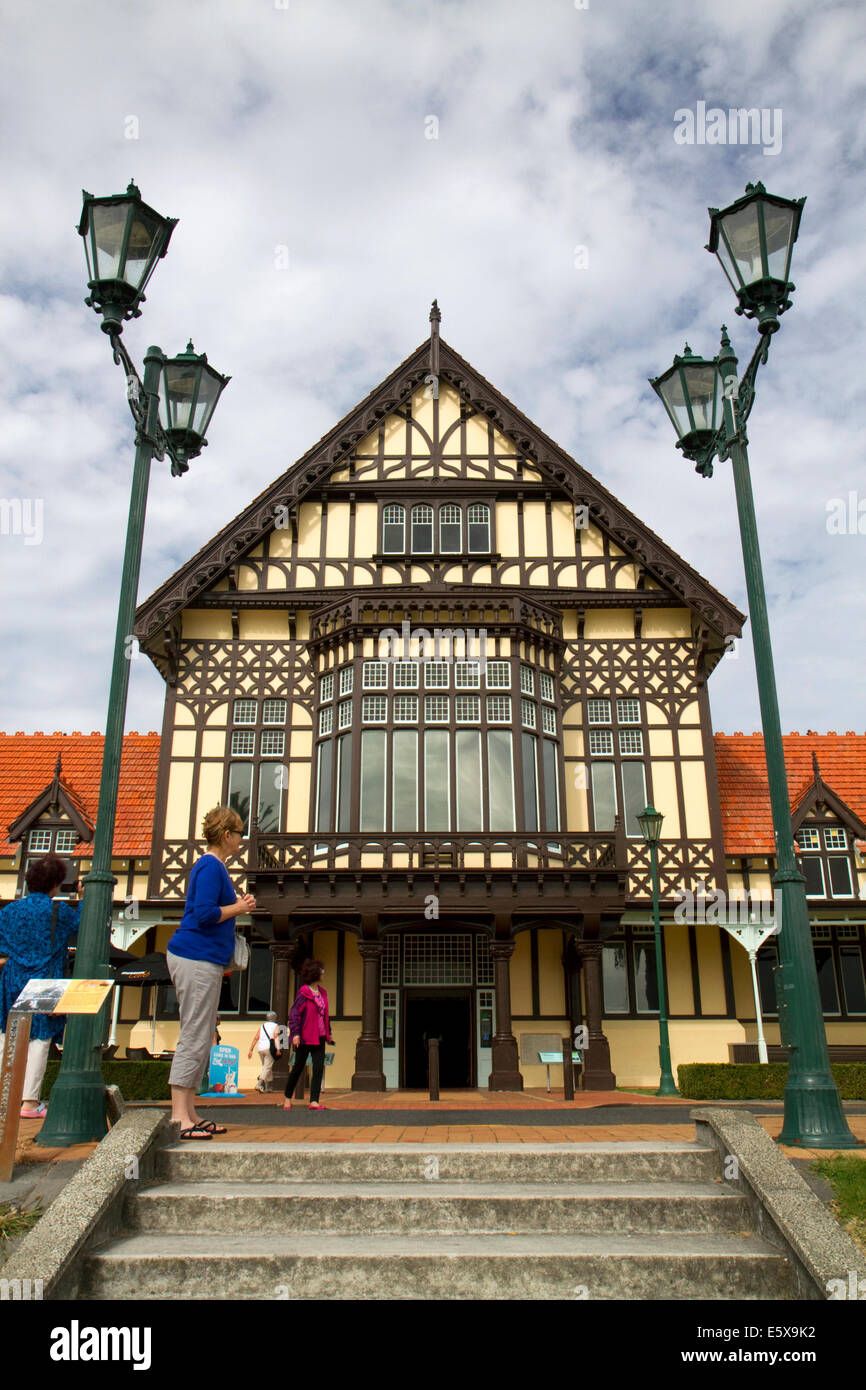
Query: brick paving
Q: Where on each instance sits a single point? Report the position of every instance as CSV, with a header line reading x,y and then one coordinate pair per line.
x,y
451,1130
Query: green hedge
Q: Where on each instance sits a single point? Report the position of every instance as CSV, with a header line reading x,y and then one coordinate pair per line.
x,y
136,1080
759,1081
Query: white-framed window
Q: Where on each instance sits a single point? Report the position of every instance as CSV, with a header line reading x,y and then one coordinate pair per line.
x,y
326,720
326,687
436,675
405,709
66,841
467,675
450,529
273,743
347,680
498,709
598,711
839,871
374,709
39,841
344,712
835,838
600,743
467,709
628,711
631,742
478,527
808,839
527,713
437,709
274,711
527,680
813,869
546,686
498,675
243,743
245,711
375,675
405,675
394,529
422,530
548,719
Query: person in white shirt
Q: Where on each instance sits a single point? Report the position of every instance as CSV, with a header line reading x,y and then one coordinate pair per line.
x,y
262,1041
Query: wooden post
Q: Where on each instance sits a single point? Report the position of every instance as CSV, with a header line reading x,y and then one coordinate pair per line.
x,y
12,1087
567,1070
433,1067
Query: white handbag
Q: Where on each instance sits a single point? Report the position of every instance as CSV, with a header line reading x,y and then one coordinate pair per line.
x,y
241,957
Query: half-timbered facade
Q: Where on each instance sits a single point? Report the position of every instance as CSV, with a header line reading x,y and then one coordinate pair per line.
x,y
439,670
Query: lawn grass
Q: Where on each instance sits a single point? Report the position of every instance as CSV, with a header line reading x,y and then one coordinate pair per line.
x,y
846,1174
15,1222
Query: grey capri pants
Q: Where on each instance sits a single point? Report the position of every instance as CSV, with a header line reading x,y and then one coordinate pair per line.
x,y
197,984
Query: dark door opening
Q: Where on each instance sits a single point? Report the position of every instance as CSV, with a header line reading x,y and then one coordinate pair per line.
x,y
446,1014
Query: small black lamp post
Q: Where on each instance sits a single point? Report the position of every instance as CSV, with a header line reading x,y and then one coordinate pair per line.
x,y
650,822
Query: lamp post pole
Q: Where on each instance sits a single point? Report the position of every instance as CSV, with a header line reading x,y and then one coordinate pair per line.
x,y
814,1116
651,825
709,407
77,1110
123,240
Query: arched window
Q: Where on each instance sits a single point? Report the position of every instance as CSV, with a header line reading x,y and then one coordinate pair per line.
x,y
393,529
450,529
422,530
478,526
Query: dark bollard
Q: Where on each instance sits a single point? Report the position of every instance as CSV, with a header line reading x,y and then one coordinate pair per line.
x,y
433,1067
567,1070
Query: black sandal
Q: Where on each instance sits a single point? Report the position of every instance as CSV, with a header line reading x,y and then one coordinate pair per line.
x,y
195,1132
212,1127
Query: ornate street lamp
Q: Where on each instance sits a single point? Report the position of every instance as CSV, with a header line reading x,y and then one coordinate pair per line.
x,y
172,408
753,239
691,393
650,823
123,240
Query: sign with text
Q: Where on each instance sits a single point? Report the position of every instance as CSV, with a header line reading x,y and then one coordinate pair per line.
x,y
63,996
223,1071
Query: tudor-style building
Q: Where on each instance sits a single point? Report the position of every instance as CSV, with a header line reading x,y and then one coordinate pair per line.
x,y
450,825
439,670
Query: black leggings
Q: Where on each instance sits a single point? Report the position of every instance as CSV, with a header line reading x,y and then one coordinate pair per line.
x,y
317,1054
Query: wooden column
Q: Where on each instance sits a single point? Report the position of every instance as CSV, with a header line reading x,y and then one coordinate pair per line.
x,y
597,1074
505,1072
368,1075
282,952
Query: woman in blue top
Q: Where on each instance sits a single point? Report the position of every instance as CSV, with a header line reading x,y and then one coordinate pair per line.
x,y
197,956
34,933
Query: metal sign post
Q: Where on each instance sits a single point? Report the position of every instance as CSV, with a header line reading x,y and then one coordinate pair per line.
x,y
752,938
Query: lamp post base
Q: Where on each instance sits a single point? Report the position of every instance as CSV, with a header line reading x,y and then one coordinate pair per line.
x,y
78,1103
814,1118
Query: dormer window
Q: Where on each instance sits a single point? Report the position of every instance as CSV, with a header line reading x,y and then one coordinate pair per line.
x,y
828,872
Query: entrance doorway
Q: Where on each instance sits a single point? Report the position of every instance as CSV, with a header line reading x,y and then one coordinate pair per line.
x,y
446,1014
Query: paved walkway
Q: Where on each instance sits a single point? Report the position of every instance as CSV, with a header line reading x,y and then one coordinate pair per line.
x,y
531,1116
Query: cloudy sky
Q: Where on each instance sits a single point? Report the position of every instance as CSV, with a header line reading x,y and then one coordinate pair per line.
x,y
334,165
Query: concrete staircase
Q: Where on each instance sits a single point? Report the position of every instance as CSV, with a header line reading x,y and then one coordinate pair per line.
x,y
408,1221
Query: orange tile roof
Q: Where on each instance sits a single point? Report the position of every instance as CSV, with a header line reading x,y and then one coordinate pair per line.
x,y
27,763
745,797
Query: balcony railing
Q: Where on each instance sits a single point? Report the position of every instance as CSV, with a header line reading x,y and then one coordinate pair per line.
x,y
587,852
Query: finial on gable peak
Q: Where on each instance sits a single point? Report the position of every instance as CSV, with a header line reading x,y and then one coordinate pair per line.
x,y
815,768
435,320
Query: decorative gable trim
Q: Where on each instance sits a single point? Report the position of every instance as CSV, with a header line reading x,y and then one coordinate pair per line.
x,y
819,794
312,470
55,796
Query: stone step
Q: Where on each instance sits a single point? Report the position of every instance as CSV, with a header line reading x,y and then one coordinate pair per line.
x,y
479,1207
212,1161
318,1265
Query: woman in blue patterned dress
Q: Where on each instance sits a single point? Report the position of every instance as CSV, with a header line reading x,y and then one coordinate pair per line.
x,y
26,939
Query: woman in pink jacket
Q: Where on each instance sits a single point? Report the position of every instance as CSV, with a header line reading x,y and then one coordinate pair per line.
x,y
309,1030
